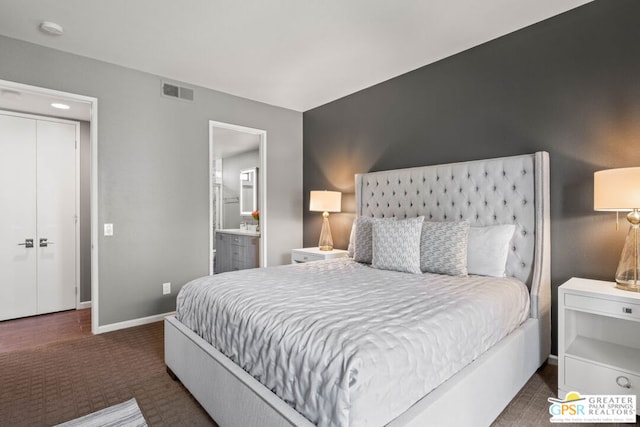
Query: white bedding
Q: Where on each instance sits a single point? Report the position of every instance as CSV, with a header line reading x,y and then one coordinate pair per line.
x,y
346,344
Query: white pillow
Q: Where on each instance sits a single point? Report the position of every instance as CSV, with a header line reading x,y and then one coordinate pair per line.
x,y
443,247
396,245
488,249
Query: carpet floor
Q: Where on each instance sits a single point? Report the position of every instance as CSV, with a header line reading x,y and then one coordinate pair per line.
x,y
530,407
54,383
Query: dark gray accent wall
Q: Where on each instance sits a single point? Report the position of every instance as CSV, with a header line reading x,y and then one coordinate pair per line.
x,y
569,85
153,182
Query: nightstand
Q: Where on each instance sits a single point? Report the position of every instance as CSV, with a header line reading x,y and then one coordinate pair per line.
x,y
598,339
315,254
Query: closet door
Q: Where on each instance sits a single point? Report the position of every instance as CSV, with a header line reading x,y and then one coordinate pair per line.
x,y
56,219
18,286
37,216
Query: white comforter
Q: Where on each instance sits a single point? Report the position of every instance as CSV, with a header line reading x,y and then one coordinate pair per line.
x,y
346,344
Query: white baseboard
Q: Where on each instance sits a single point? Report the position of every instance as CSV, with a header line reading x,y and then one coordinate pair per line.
x,y
552,360
133,322
83,305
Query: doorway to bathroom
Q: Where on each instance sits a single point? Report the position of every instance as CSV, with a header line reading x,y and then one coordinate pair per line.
x,y
237,191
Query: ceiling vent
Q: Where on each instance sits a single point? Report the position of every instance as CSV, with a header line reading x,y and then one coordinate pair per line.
x,y
173,91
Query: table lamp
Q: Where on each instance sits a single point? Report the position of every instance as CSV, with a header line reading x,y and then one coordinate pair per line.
x,y
619,190
325,202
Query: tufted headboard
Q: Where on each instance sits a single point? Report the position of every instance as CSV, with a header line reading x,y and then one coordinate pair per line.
x,y
507,190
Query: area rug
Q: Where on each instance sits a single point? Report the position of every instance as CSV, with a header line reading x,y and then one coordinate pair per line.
x,y
123,414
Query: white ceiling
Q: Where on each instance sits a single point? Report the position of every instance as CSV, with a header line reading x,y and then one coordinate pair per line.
x,y
297,54
229,142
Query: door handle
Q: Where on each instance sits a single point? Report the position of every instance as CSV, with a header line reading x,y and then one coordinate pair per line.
x,y
28,243
44,243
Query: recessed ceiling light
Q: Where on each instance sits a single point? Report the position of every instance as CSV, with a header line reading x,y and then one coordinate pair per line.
x,y
60,106
51,28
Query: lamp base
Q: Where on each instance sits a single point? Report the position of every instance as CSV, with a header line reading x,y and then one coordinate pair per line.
x,y
627,273
326,241
628,286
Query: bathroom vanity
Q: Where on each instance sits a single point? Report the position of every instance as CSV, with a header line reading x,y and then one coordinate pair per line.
x,y
236,249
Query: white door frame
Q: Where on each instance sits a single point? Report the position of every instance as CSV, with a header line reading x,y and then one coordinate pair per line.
x,y
262,186
20,87
76,124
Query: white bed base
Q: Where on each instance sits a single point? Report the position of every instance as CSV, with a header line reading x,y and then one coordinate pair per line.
x,y
475,396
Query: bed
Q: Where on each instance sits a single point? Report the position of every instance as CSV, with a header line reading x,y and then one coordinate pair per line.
x,y
511,190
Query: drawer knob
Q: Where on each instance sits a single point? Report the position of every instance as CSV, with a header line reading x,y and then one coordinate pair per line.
x,y
623,382
627,310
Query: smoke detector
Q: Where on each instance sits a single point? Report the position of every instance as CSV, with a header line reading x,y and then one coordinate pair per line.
x,y
51,28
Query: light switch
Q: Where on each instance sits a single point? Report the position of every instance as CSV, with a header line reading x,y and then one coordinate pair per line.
x,y
108,229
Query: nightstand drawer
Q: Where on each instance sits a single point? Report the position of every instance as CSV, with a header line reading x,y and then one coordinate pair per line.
x,y
589,378
617,308
314,254
305,257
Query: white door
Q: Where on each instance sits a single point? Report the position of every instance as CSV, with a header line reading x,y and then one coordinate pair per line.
x,y
38,195
17,217
56,224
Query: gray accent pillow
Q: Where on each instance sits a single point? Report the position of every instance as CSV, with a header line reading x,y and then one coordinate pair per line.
x,y
352,238
443,247
363,239
396,244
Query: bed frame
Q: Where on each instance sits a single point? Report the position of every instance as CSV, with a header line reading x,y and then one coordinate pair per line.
x,y
495,191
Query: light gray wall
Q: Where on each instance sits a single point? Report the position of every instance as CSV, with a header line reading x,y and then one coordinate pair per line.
x,y
231,167
153,174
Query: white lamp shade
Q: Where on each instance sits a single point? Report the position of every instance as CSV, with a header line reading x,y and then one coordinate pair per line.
x,y
616,189
325,201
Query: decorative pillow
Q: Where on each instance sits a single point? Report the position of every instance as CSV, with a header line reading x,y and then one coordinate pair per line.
x,y
363,239
488,249
352,238
396,244
443,247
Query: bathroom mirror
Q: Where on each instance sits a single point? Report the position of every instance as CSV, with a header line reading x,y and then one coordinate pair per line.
x,y
248,191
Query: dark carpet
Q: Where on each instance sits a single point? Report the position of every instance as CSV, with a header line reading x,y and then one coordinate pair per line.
x,y
55,383
530,407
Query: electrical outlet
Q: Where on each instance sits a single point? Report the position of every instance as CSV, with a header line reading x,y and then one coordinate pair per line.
x,y
108,229
166,288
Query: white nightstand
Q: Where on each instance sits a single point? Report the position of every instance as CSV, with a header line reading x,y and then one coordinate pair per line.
x,y
598,339
315,254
